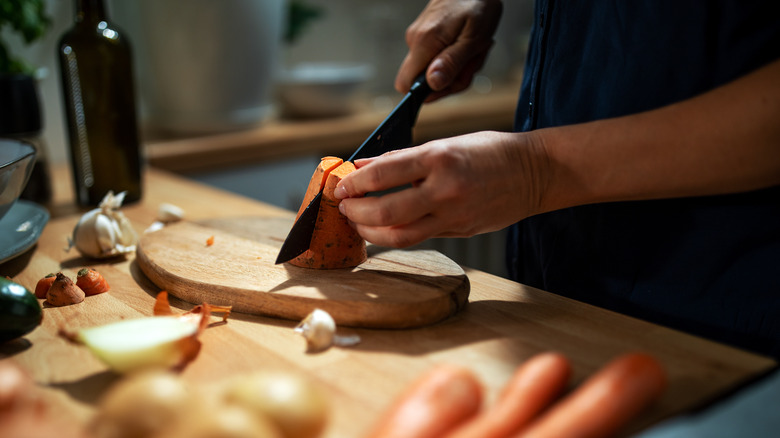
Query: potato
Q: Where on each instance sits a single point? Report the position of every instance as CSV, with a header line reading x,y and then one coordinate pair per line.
x,y
224,421
294,404
142,405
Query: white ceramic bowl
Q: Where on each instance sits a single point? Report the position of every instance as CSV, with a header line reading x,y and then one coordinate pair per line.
x,y
16,163
311,90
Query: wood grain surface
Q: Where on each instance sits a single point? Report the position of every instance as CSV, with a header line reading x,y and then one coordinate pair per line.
x,y
392,289
503,325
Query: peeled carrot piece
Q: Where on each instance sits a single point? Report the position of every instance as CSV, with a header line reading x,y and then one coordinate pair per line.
x,y
532,387
606,401
334,244
43,285
91,282
434,405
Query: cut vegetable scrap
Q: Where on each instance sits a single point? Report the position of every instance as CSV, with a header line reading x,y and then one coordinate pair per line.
x,y
319,330
334,244
166,341
210,241
155,226
43,285
91,282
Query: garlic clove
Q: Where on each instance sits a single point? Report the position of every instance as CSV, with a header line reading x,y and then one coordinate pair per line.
x,y
169,213
319,330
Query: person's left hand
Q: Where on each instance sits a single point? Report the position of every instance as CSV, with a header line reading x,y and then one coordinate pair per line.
x,y
459,187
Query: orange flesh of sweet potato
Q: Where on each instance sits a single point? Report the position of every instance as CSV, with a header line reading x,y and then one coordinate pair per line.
x,y
327,164
334,244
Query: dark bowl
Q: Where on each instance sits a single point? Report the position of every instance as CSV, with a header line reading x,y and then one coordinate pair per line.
x,y
16,163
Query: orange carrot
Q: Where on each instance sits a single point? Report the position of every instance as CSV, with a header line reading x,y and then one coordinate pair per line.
x,y
434,405
210,241
91,282
44,284
532,387
606,401
334,244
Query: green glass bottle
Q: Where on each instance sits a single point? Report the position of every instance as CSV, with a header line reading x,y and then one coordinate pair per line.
x,y
98,89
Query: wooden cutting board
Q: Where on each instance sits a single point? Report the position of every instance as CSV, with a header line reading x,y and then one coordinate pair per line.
x,y
392,289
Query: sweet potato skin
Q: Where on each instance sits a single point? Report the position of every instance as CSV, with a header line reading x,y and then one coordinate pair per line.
x,y
334,244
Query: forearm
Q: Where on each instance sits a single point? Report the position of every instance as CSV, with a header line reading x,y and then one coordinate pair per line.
x,y
724,141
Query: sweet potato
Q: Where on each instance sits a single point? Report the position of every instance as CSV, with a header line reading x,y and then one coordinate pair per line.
x,y
606,401
334,244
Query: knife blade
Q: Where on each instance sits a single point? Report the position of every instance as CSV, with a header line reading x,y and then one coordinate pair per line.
x,y
395,132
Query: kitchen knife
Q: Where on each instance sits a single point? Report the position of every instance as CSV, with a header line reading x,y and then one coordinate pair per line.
x,y
395,132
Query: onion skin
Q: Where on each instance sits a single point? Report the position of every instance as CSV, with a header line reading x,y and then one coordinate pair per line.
x,y
63,292
24,413
14,383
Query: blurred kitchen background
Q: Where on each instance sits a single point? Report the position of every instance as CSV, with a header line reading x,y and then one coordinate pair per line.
x,y
219,78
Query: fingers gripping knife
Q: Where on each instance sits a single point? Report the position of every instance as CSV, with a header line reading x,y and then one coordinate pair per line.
x,y
395,132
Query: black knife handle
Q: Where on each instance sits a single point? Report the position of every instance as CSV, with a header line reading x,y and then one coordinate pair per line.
x,y
418,92
395,132
420,88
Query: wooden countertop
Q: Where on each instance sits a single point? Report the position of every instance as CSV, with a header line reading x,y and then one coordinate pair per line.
x,y
503,324
280,138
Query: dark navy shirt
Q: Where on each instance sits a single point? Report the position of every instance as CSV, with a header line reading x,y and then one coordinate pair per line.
x,y
706,265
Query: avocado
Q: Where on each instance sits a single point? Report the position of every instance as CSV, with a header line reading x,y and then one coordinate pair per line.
x,y
20,311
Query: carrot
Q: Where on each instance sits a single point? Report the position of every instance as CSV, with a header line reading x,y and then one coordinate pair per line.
x,y
44,284
91,282
532,387
606,401
434,405
334,244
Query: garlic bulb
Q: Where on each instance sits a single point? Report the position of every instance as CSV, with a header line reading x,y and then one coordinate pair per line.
x,y
104,231
319,330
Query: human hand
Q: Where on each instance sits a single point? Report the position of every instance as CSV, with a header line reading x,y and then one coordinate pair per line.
x,y
459,187
451,39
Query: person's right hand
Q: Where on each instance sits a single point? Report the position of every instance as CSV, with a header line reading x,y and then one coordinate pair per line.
x,y
449,41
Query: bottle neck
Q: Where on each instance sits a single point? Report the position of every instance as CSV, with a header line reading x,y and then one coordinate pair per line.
x,y
90,11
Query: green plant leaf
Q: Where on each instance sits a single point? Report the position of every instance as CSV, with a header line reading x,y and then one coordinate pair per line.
x,y
300,15
27,18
